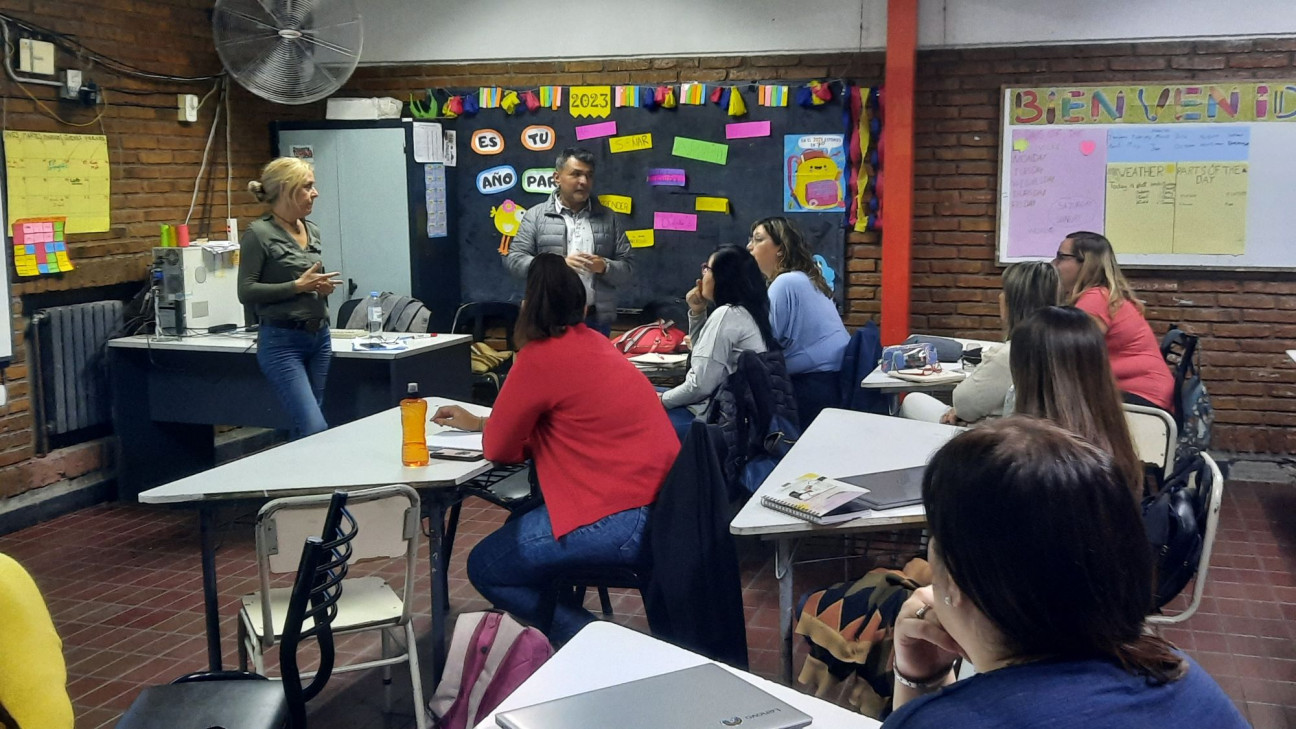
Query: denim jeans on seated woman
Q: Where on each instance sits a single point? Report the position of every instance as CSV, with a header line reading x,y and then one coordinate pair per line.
x,y
514,566
296,362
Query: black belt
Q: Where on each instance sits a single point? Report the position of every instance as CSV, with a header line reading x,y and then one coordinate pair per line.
x,y
309,325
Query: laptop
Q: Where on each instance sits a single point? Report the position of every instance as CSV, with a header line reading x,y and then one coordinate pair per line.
x,y
890,489
702,697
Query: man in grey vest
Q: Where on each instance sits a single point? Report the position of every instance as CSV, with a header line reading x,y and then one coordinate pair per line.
x,y
574,225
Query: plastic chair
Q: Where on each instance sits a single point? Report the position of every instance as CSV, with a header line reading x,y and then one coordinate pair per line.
x,y
1208,543
389,528
248,700
1155,435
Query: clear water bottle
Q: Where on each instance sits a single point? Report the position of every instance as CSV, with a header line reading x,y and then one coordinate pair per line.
x,y
373,314
413,410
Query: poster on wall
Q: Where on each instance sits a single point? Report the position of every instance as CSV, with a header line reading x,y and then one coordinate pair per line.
x,y
814,167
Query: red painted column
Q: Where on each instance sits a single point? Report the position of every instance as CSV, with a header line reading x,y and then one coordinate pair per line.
x,y
898,166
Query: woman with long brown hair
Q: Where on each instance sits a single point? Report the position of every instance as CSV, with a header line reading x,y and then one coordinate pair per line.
x,y
1042,578
1092,282
802,314
1060,373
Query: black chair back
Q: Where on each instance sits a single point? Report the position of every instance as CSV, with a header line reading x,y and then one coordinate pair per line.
x,y
476,318
315,595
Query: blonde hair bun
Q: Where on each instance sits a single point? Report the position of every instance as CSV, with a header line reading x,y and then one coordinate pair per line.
x,y
257,189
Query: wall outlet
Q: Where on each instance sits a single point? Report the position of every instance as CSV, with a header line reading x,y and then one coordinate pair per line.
x,y
24,55
187,107
71,88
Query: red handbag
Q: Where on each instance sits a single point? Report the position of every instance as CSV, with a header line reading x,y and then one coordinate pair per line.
x,y
659,337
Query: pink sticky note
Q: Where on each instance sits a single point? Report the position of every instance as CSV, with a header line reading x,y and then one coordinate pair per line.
x,y
675,221
593,131
667,177
746,130
47,227
31,227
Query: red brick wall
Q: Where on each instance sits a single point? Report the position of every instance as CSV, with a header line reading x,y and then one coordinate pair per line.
x,y
1244,319
154,160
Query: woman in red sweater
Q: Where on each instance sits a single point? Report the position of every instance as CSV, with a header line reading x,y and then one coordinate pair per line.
x,y
600,441
1093,283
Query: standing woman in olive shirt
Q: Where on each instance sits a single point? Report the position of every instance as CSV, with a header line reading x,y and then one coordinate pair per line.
x,y
280,278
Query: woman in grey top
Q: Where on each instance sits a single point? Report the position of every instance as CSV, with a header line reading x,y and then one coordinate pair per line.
x,y
1027,288
732,280
280,278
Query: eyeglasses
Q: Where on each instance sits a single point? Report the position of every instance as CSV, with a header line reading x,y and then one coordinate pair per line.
x,y
706,267
1062,255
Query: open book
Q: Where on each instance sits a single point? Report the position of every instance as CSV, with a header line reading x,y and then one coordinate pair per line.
x,y
817,499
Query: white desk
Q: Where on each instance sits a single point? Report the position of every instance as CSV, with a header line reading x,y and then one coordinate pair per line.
x,y
167,393
893,387
606,654
359,454
838,443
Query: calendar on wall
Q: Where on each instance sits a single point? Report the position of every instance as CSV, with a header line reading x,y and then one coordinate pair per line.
x,y
58,175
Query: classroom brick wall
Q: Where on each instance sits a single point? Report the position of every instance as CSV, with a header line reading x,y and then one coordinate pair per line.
x,y
154,164
1244,319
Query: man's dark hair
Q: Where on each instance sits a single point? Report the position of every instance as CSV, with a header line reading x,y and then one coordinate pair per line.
x,y
579,153
739,282
554,298
1036,526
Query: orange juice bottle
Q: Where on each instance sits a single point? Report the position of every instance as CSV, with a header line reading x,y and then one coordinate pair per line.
x,y
414,451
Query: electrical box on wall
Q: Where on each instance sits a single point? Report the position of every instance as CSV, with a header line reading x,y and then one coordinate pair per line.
x,y
187,107
36,57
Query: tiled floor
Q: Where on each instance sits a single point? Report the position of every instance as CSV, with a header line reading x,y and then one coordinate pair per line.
x,y
122,582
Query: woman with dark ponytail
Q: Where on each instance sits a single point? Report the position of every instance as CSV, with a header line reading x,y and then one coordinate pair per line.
x,y
1041,578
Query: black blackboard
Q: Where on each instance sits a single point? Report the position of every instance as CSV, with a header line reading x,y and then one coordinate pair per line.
x,y
752,179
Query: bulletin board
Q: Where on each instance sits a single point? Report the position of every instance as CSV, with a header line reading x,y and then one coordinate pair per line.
x,y
1173,175
728,183
63,175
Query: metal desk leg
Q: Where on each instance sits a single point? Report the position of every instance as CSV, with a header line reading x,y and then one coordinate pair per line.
x,y
211,603
434,510
783,561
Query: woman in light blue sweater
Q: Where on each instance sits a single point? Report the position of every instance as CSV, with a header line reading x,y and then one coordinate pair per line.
x,y
802,314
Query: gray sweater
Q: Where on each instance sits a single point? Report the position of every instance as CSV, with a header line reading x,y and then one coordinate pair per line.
x,y
269,262
543,230
717,342
981,394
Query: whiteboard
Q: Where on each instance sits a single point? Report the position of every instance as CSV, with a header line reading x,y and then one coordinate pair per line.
x,y
1174,175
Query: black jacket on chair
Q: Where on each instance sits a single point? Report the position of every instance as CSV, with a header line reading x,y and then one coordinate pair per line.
x,y
694,597
746,407
861,358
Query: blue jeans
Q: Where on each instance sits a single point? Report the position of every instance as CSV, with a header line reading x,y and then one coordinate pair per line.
x,y
514,565
296,363
681,418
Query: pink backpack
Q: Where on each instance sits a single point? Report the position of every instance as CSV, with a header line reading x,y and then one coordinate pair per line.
x,y
491,654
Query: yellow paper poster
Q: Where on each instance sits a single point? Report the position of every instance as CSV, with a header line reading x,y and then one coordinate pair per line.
x,y
616,203
591,101
1210,208
712,205
63,175
630,143
640,238
1141,206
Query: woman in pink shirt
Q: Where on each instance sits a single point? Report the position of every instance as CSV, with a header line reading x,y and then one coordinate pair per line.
x,y
1092,282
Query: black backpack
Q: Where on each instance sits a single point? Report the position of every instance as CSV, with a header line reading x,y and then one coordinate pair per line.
x,y
1175,520
1193,414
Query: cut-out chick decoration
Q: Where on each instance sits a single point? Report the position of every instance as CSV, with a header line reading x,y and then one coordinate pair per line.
x,y
508,218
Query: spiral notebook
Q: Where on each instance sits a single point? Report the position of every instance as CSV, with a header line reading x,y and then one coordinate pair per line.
x,y
818,499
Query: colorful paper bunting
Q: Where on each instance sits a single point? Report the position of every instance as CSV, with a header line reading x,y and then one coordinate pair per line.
x,y
772,95
551,96
509,102
737,107
488,97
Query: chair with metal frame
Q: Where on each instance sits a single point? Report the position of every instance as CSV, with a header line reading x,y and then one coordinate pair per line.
x,y
1154,434
1208,543
388,518
248,700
